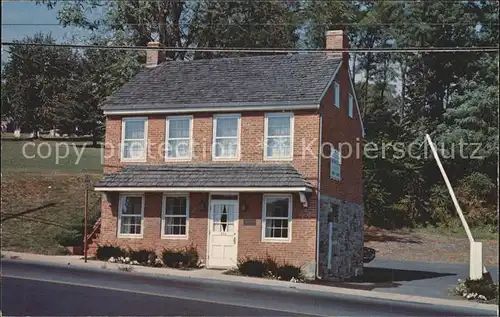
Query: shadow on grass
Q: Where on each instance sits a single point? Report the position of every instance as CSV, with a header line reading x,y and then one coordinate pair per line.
x,y
374,277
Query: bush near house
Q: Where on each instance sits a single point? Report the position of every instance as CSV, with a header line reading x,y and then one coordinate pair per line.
x,y
268,267
288,272
144,257
184,258
106,252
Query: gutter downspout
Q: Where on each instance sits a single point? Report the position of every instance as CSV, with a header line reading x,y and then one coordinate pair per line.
x,y
319,190
330,233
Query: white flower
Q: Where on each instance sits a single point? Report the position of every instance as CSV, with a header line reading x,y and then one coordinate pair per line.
x,y
112,260
482,297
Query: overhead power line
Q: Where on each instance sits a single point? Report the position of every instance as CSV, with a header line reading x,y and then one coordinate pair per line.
x,y
267,50
444,23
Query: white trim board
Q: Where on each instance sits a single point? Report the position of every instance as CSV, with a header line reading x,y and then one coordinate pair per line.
x,y
214,109
204,189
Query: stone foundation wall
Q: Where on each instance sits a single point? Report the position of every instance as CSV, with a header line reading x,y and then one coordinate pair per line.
x,y
347,239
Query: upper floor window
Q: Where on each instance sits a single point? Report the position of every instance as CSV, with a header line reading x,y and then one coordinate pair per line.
x,y
175,216
278,136
226,137
351,105
134,139
179,137
130,215
336,92
335,163
277,218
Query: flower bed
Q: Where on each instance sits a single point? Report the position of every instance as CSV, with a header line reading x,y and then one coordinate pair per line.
x,y
187,258
483,290
267,268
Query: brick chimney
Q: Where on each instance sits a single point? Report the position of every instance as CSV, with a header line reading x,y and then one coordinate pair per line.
x,y
337,39
154,57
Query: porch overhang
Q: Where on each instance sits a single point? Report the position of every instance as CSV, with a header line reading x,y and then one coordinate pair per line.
x,y
208,177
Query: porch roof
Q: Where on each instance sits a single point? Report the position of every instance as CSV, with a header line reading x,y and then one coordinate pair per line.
x,y
205,177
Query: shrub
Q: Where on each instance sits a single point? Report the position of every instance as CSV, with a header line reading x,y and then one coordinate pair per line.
x,y
287,272
105,252
271,266
143,256
483,289
172,258
191,257
252,267
69,238
187,258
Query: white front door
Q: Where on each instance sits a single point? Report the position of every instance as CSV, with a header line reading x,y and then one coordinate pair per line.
x,y
223,233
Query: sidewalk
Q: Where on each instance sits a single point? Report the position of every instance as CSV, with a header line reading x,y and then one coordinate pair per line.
x,y
217,275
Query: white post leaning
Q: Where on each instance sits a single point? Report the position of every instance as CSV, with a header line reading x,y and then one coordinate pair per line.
x,y
476,256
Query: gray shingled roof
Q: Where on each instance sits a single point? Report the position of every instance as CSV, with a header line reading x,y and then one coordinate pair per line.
x,y
206,175
256,80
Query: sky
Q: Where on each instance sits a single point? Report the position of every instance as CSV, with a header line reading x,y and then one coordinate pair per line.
x,y
40,18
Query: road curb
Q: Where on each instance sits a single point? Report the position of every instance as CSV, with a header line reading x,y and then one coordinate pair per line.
x,y
265,282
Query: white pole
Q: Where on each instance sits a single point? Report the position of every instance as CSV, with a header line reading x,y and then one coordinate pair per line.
x,y
452,193
450,189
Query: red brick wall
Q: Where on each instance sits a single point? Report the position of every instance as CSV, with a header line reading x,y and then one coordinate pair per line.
x,y
300,251
306,124
151,238
302,248
339,127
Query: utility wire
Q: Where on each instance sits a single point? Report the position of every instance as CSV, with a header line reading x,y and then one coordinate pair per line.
x,y
325,24
257,1
267,50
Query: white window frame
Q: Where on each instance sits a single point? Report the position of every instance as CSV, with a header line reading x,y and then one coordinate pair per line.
x,y
266,136
338,161
145,139
336,94
264,218
214,137
167,138
164,217
121,200
351,106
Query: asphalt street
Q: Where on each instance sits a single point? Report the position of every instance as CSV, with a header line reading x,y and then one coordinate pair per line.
x,y
36,290
413,278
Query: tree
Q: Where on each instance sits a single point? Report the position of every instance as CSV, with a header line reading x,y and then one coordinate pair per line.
x,y
36,81
102,73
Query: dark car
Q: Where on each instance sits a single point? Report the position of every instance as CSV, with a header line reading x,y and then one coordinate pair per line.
x,y
368,254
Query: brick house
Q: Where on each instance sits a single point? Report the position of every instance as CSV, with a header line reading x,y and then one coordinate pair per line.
x,y
232,155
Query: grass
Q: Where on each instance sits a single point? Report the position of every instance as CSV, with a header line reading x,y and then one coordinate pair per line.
x,y
479,233
61,157
30,183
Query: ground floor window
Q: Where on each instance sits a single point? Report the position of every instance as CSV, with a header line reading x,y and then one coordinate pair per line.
x,y
277,217
175,216
130,215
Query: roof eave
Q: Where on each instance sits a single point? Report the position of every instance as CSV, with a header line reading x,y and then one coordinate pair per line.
x,y
213,107
205,189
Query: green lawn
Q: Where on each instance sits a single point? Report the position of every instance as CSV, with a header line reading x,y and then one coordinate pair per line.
x,y
34,182
47,157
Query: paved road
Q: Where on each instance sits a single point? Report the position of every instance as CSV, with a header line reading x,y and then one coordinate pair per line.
x,y
416,278
32,289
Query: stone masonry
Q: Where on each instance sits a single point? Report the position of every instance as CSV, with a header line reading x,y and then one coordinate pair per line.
x,y
347,239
